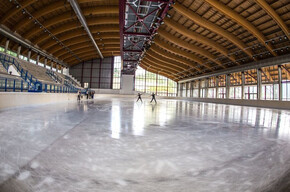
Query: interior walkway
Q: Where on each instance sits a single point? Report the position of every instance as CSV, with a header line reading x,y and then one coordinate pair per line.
x,y
115,144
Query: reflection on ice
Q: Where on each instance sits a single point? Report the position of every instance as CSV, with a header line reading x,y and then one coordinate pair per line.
x,y
118,145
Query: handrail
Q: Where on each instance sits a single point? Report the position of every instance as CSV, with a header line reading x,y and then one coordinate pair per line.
x,y
53,75
33,81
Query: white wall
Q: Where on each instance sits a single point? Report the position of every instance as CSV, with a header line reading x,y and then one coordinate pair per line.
x,y
17,99
127,84
13,70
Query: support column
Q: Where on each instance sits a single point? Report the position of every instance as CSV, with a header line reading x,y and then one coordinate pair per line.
x,y
29,55
199,85
7,45
51,65
18,51
243,85
61,69
206,88
191,89
280,81
45,62
216,86
56,67
228,80
37,59
259,84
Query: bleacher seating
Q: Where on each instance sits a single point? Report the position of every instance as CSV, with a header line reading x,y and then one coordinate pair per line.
x,y
36,76
37,71
2,69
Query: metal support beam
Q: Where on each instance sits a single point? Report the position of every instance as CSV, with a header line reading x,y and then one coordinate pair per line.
x,y
259,84
18,51
83,22
280,82
243,85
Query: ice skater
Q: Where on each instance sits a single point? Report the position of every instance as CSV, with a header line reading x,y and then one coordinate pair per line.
x,y
139,97
153,98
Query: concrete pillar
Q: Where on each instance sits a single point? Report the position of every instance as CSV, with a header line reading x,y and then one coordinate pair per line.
x,y
51,65
199,85
243,85
259,84
191,89
228,81
216,86
206,87
29,55
37,59
7,45
280,81
61,69
18,51
45,62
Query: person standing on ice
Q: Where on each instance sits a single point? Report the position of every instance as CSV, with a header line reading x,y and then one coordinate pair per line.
x,y
153,98
139,97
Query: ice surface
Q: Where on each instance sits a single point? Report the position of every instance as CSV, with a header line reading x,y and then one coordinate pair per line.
x,y
115,144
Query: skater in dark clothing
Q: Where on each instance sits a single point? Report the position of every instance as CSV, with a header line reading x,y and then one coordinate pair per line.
x,y
139,97
153,98
79,95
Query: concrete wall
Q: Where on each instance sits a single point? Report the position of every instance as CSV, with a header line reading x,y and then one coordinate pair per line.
x,y
127,84
17,99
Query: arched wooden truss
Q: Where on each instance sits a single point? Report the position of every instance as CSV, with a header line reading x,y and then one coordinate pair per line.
x,y
198,36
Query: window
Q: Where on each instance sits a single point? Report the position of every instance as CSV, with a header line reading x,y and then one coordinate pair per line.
x,y
148,82
117,72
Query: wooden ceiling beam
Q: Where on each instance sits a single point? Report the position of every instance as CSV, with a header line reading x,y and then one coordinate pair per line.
x,y
85,46
84,55
181,53
80,53
190,47
70,31
171,56
164,60
67,17
197,37
56,6
241,21
24,4
212,27
76,41
75,62
163,63
274,16
165,74
158,67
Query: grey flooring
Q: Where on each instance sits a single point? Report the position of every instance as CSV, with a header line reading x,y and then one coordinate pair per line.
x,y
116,144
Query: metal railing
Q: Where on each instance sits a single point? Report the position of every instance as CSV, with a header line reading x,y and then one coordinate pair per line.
x,y
34,84
17,85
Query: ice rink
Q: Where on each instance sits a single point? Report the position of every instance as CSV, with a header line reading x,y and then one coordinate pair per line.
x,y
118,145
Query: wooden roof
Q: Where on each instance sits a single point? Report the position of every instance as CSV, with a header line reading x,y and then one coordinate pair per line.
x,y
197,37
